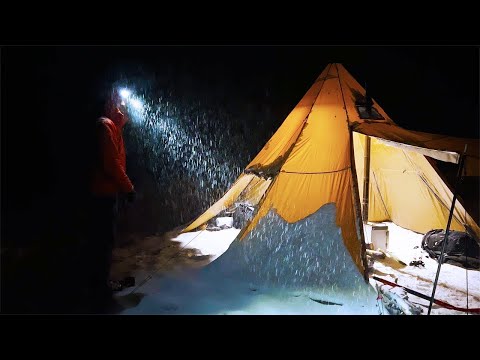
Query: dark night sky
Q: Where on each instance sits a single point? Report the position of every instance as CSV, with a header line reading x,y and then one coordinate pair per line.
x,y
45,90
422,87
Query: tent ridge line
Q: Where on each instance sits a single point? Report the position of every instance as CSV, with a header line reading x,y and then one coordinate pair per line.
x,y
343,96
313,104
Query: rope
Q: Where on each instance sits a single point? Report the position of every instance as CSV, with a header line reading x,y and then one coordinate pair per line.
x,y
150,276
422,177
380,194
425,297
315,173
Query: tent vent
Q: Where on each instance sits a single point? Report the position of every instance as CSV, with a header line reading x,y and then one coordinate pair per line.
x,y
364,105
368,112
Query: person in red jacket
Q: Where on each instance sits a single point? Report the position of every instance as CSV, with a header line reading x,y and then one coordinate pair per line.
x,y
109,182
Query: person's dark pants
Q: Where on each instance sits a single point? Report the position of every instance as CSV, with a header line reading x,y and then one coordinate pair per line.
x,y
99,250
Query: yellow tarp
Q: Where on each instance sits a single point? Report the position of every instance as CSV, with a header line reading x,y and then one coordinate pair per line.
x,y
427,141
406,189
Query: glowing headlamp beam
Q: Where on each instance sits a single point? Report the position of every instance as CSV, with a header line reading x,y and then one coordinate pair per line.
x,y
137,104
127,97
125,93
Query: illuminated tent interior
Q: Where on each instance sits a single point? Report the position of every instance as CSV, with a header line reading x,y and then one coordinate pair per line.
x,y
338,146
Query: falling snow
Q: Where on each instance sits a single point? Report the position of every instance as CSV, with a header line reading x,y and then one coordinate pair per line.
x,y
193,153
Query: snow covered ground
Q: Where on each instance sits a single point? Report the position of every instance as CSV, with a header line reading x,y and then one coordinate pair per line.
x,y
274,270
281,269
213,243
453,283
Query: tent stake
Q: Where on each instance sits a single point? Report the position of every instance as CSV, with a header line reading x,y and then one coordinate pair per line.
x,y
452,208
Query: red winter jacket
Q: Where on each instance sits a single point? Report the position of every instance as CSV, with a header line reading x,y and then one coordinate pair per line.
x,y
109,176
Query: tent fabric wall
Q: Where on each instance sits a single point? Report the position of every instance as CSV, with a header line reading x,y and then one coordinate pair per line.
x,y
308,163
318,169
406,189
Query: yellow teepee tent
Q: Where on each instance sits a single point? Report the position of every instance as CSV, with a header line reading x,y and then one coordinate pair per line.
x,y
317,157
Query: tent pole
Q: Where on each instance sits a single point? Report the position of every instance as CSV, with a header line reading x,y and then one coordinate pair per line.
x,y
357,206
366,179
452,208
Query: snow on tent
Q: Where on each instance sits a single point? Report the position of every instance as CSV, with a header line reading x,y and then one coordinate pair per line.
x,y
305,239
